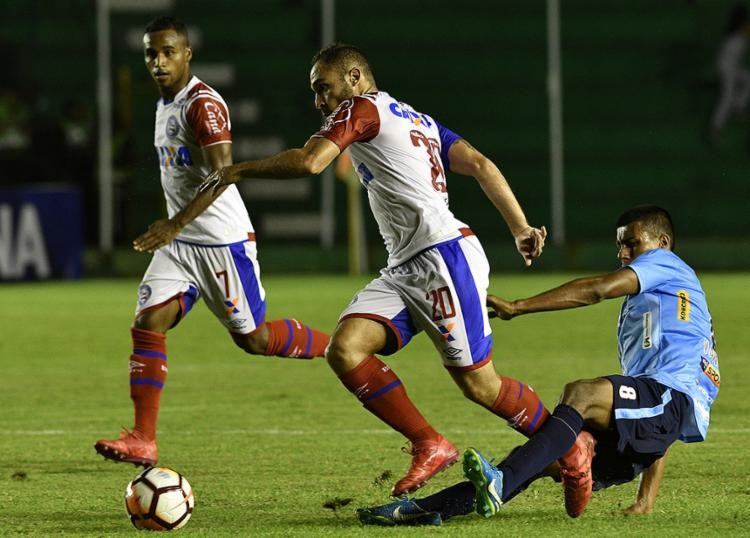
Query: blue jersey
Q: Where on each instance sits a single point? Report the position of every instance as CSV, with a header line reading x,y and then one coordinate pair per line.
x,y
665,332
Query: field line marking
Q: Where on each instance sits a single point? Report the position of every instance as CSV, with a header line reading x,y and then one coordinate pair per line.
x,y
299,432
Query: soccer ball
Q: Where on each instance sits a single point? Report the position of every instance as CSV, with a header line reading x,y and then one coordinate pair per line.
x,y
159,499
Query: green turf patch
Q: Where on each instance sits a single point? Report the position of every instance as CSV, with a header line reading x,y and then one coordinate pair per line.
x,y
278,447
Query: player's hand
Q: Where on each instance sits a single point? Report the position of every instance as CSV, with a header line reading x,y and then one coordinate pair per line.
x,y
159,234
500,308
530,242
219,178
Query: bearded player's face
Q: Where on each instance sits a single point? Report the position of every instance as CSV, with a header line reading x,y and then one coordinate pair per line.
x,y
330,86
167,56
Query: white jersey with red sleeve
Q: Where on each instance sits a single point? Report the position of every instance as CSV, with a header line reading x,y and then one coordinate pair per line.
x,y
400,156
197,118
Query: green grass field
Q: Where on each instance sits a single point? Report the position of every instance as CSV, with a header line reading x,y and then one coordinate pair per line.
x,y
271,446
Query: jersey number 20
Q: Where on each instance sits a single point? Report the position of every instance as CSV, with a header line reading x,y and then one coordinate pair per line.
x,y
432,146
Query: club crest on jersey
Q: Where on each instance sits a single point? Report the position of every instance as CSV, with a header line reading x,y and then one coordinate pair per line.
x,y
400,110
144,294
172,127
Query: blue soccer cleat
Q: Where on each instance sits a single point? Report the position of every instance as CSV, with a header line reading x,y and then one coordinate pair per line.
x,y
398,512
487,480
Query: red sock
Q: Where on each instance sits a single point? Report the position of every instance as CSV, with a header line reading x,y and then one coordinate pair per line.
x,y
290,338
148,372
520,406
382,394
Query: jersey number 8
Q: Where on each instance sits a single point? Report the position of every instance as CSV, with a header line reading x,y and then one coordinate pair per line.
x,y
627,393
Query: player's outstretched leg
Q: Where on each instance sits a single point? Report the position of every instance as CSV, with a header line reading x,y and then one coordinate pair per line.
x,y
575,471
520,405
398,512
382,393
487,480
148,372
290,338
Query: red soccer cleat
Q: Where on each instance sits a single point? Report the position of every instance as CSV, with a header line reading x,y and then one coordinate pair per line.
x,y
428,459
131,447
575,471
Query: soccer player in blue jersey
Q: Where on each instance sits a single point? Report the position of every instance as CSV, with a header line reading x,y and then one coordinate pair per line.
x,y
670,378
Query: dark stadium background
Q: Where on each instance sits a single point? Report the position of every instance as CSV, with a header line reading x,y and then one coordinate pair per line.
x,y
638,88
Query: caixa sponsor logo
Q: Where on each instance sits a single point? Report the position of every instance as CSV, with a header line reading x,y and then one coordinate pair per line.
x,y
22,247
170,156
403,110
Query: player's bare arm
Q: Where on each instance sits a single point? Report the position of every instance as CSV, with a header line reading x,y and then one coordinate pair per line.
x,y
466,160
573,294
163,231
648,488
310,159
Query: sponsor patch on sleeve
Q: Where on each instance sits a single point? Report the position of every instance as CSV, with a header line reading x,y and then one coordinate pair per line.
x,y
683,305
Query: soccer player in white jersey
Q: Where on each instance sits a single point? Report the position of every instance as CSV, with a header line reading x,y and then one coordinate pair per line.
x,y
437,273
670,379
206,247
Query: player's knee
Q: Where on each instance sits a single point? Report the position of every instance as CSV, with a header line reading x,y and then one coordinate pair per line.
x,y
480,385
478,393
573,394
582,395
159,319
141,323
473,394
337,351
343,354
151,323
252,343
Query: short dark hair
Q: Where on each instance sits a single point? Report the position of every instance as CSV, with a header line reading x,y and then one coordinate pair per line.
x,y
344,57
655,219
167,23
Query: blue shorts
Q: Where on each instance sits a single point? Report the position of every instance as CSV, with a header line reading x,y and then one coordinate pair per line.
x,y
647,420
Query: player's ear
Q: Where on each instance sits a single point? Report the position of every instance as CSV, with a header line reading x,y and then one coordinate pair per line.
x,y
189,53
665,241
354,76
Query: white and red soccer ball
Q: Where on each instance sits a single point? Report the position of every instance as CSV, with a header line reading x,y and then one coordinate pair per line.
x,y
159,499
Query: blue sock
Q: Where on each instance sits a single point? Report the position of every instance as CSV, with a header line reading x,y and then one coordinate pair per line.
x,y
456,500
548,444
